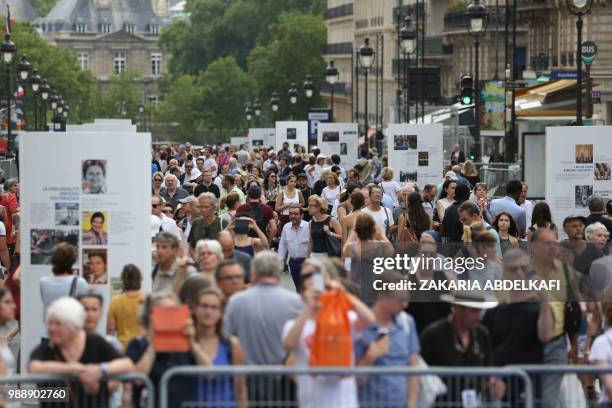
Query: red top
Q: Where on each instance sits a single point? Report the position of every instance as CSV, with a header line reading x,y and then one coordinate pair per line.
x,y
9,201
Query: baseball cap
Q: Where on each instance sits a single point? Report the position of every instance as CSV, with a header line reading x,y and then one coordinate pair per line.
x,y
302,175
188,199
254,191
451,175
574,217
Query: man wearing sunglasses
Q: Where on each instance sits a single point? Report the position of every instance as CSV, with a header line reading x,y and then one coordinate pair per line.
x,y
461,341
167,223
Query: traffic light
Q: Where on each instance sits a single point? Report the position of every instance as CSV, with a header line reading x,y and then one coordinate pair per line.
x,y
467,90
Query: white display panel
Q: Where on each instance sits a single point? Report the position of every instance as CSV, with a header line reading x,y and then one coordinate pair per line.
x,y
262,137
415,152
340,139
293,133
578,163
90,174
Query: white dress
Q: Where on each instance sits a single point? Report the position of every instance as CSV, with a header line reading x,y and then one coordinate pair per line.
x,y
320,391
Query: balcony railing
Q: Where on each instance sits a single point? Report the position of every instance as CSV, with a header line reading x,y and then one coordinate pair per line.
x,y
339,11
340,88
339,48
455,20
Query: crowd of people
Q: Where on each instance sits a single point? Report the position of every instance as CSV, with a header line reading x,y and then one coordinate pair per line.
x,y
228,223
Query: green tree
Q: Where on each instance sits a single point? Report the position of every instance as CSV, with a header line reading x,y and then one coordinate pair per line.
x,y
57,65
293,53
43,7
122,97
219,28
180,112
225,87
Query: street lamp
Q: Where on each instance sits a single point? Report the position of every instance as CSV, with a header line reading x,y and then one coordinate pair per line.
x,y
44,94
53,100
60,105
332,76
274,102
35,83
293,93
579,8
293,96
308,87
8,51
248,112
366,59
408,44
257,107
476,19
24,68
140,115
66,110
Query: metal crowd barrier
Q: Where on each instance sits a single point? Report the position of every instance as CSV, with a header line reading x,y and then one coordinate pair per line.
x,y
275,386
574,386
34,389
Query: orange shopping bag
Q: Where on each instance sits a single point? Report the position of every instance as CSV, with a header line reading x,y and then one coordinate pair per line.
x,y
332,343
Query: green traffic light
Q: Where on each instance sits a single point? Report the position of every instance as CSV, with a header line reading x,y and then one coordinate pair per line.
x,y
466,100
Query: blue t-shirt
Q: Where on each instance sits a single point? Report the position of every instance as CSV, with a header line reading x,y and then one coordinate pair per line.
x,y
403,343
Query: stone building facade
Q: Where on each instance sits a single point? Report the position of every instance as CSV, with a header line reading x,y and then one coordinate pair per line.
x,y
546,41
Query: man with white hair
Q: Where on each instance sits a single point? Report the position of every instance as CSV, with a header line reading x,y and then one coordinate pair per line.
x,y
257,316
403,201
95,358
254,316
600,273
172,193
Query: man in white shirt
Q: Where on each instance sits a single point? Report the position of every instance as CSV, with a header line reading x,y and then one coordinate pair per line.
x,y
271,160
221,176
293,244
209,162
383,216
167,223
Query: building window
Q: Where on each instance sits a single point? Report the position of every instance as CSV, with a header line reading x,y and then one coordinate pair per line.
x,y
153,29
106,28
119,62
83,59
128,28
81,28
156,61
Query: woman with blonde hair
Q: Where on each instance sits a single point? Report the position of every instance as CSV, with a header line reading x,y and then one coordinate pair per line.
x,y
390,187
470,172
332,190
321,226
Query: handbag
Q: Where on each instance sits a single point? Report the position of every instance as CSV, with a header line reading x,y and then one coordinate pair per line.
x,y
431,387
333,245
572,314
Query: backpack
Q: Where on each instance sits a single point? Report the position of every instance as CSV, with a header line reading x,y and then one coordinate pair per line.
x,y
255,212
